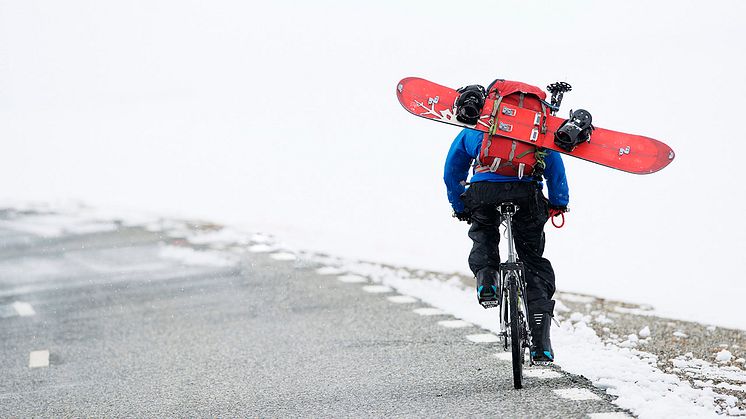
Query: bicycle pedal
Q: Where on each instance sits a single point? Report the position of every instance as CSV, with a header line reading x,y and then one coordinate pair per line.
x,y
490,304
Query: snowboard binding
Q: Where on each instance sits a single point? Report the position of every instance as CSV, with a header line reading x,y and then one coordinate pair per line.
x,y
557,89
574,131
469,103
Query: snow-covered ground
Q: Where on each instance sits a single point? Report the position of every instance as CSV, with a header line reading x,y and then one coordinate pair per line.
x,y
281,117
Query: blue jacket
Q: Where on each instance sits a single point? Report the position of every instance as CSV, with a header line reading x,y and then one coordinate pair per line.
x,y
465,149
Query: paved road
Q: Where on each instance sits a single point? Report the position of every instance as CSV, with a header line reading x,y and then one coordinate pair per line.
x,y
133,333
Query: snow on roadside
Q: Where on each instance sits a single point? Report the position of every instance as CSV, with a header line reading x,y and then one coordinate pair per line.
x,y
189,256
701,369
56,225
630,375
222,236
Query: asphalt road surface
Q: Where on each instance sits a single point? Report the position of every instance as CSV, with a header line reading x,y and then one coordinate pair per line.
x,y
130,332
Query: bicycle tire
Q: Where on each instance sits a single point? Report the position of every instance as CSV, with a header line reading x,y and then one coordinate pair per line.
x,y
516,341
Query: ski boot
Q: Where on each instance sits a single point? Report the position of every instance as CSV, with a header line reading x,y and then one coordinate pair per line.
x,y
486,288
541,345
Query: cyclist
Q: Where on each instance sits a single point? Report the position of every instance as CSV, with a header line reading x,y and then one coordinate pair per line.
x,y
477,205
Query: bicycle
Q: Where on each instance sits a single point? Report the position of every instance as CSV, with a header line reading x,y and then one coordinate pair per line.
x,y
511,292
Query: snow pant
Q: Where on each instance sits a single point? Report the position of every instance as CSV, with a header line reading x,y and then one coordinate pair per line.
x,y
481,199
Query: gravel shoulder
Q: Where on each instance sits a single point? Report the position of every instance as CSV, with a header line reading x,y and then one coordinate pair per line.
x,y
704,355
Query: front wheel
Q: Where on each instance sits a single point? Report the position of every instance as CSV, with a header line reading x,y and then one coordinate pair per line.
x,y
516,341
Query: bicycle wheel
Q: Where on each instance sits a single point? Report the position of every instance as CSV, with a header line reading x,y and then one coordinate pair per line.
x,y
516,341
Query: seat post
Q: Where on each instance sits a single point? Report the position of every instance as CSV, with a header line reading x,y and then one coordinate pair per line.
x,y
507,210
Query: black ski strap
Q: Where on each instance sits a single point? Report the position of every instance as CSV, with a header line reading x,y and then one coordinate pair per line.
x,y
491,85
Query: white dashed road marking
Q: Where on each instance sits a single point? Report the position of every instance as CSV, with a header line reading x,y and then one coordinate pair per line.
x,y
609,415
377,289
576,394
23,309
453,324
504,356
260,238
38,359
283,256
482,338
353,279
429,311
402,299
329,270
260,248
541,373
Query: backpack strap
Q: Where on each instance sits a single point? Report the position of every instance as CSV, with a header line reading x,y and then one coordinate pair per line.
x,y
512,152
541,164
493,115
543,117
486,148
495,165
492,85
526,153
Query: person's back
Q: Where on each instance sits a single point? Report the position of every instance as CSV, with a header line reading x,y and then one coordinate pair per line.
x,y
477,205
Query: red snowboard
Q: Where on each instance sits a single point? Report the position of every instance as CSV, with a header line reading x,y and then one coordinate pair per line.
x,y
626,152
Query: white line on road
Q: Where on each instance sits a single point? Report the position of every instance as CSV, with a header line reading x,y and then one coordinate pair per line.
x,y
504,356
329,270
283,256
541,373
353,279
576,394
454,324
37,359
429,311
23,309
377,289
482,338
402,299
609,415
260,248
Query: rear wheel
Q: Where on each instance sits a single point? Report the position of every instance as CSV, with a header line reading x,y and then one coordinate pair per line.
x,y
516,328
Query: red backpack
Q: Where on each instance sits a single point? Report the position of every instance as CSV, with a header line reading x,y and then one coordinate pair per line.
x,y
501,154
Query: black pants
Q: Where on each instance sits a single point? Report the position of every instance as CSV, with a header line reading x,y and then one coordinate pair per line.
x,y
528,232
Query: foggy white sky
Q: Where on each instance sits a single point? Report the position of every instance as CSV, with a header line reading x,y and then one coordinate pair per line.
x,y
282,118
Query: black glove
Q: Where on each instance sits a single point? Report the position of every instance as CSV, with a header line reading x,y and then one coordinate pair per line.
x,y
464,215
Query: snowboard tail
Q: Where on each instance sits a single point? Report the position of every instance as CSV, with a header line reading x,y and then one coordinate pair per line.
x,y
627,152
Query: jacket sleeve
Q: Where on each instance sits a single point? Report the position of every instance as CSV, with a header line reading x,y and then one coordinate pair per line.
x,y
554,173
456,170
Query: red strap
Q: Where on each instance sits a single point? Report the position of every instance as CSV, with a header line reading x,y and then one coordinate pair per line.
x,y
562,214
